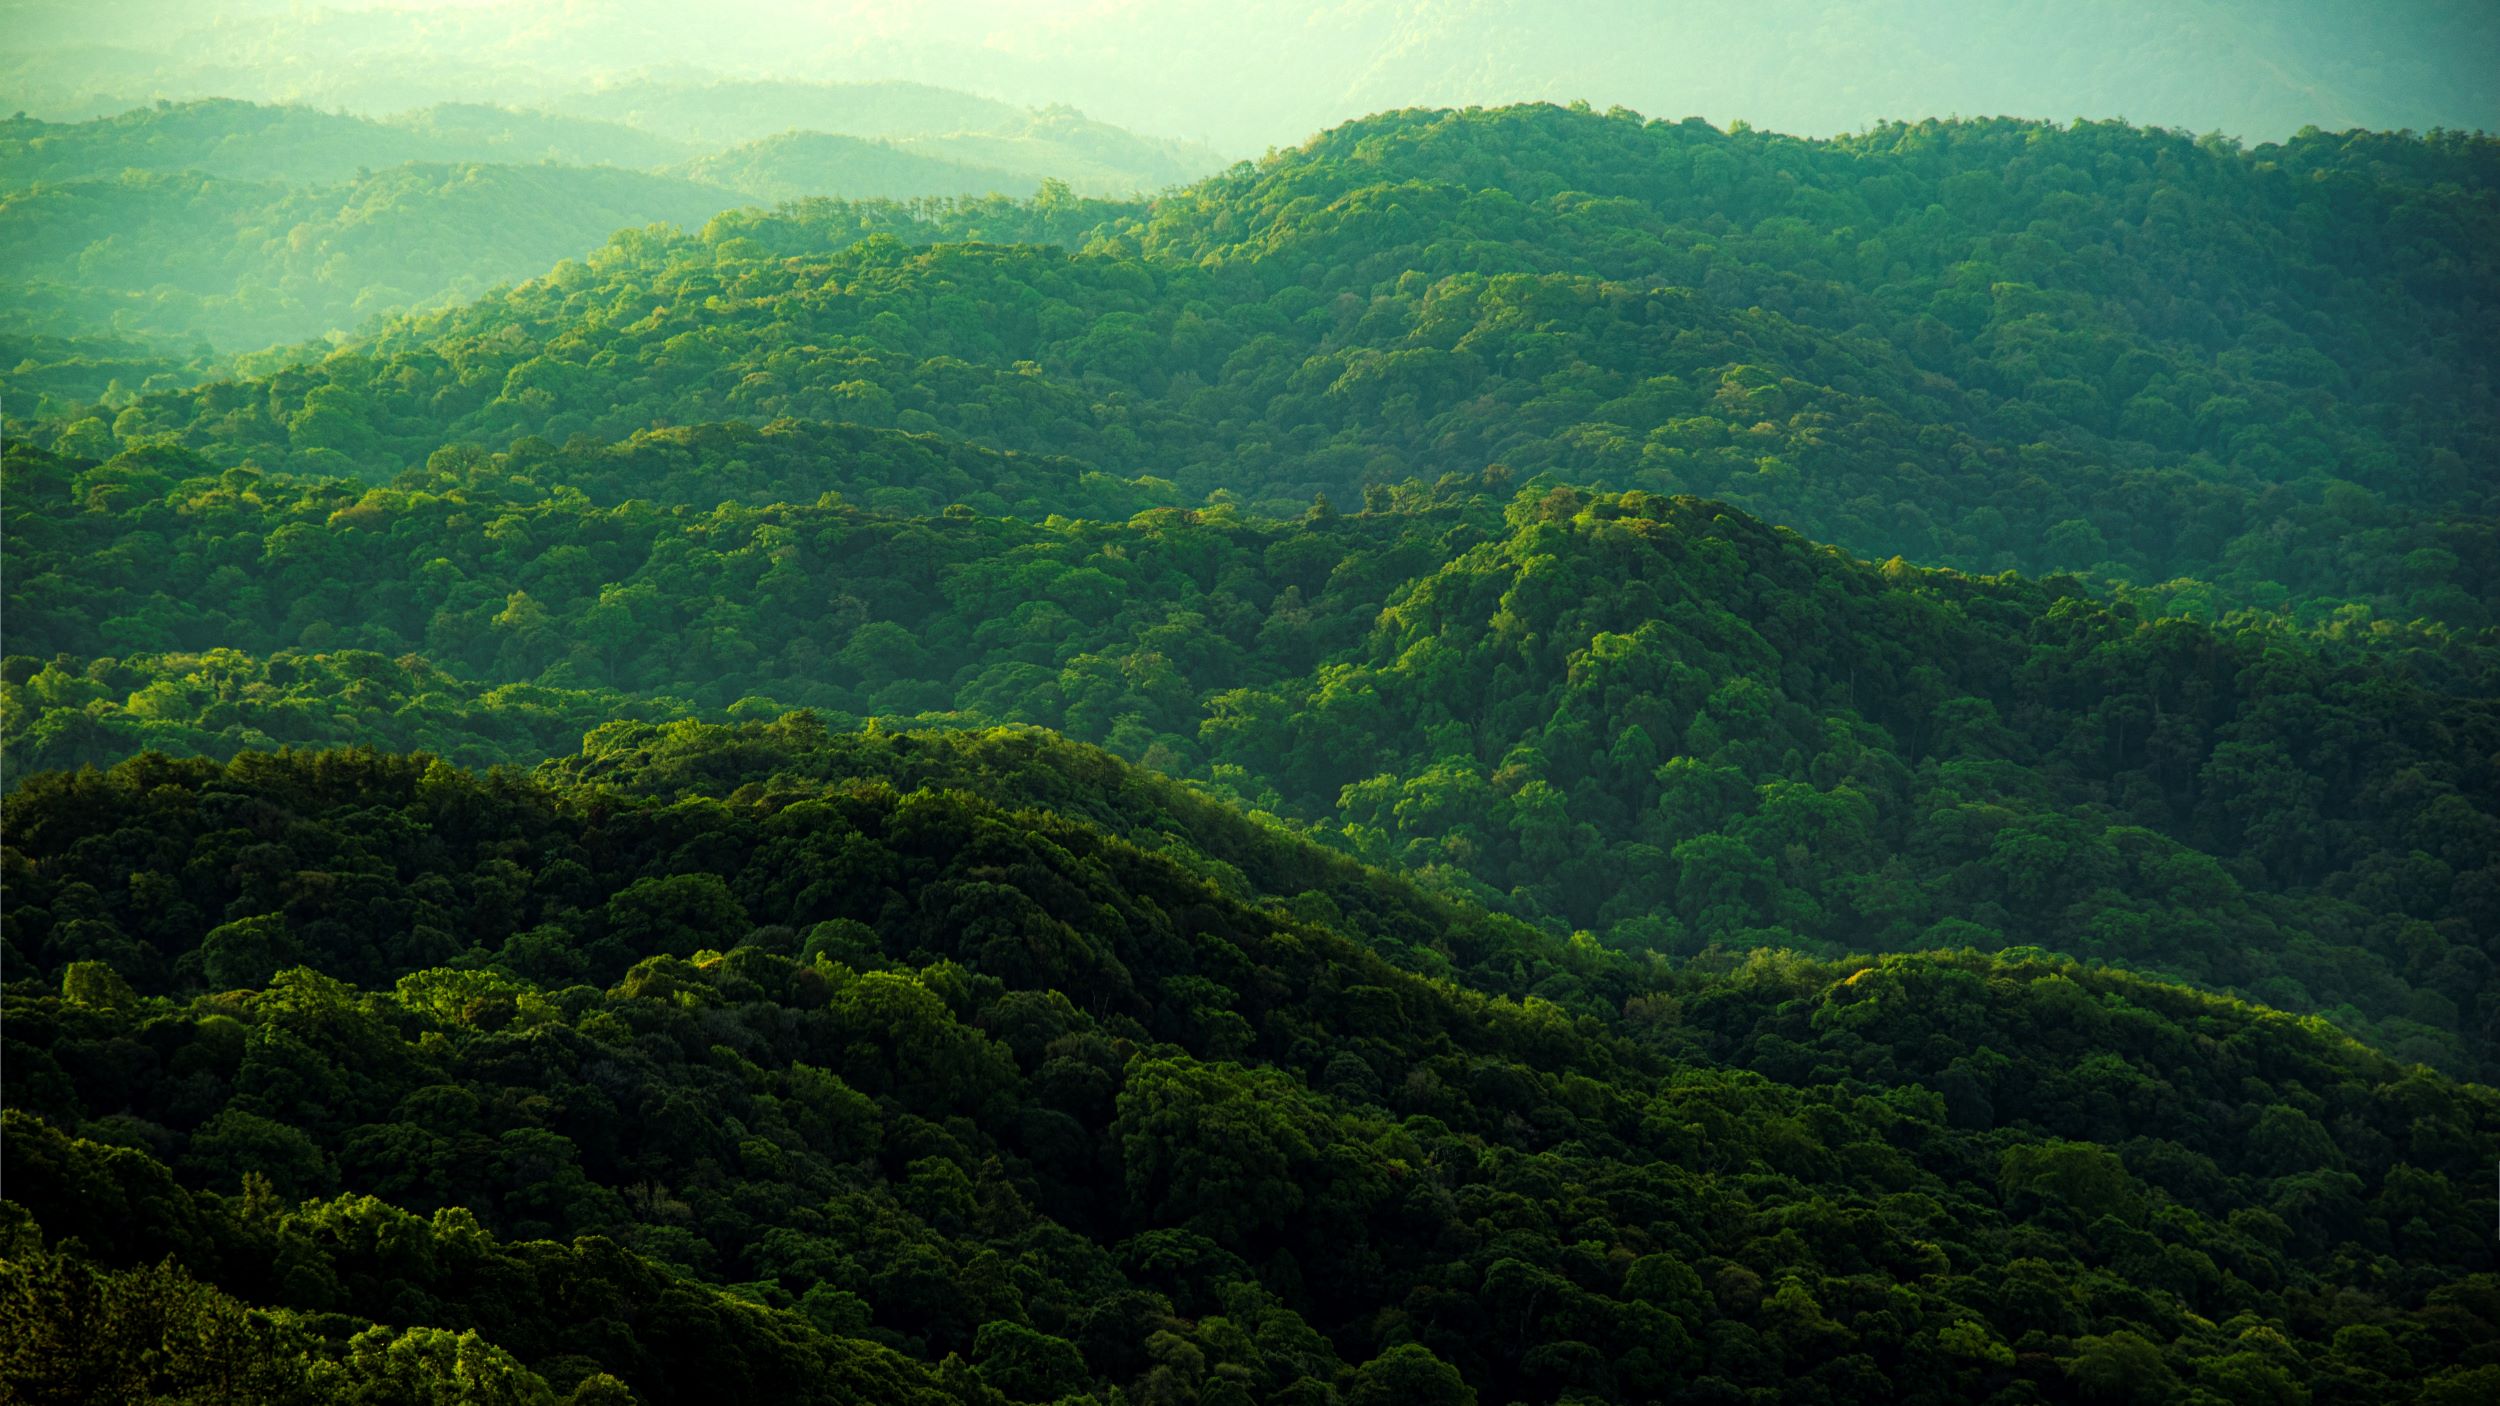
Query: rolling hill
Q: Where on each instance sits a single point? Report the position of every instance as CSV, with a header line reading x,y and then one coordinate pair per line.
x,y
908,1077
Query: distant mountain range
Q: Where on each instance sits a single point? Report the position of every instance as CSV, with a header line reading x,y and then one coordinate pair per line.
x,y
242,224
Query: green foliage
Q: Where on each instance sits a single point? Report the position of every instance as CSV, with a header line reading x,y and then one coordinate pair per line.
x,y
1026,1365
145,1335
1408,1373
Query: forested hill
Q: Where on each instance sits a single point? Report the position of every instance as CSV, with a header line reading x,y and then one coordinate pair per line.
x,y
1982,344
670,1073
1517,755
1654,719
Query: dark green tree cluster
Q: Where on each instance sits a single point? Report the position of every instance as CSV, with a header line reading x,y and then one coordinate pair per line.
x,y
615,1085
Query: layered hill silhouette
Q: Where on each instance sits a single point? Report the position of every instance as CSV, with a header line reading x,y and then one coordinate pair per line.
x,y
798,165
302,146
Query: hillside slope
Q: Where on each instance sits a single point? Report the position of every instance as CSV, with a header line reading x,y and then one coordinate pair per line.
x,y
830,1090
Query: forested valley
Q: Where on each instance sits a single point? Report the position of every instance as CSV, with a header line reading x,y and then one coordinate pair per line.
x,y
1517,754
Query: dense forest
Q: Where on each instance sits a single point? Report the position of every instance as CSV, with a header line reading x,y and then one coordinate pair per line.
x,y
1650,718
912,1078
1515,755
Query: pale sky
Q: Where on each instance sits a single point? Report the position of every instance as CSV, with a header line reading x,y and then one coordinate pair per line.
x,y
1245,75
